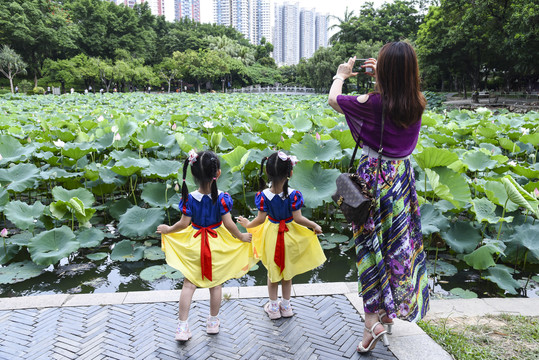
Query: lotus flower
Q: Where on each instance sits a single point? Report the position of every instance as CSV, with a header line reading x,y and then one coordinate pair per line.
x,y
317,136
117,137
59,143
289,132
29,139
512,163
4,231
208,124
114,129
100,118
1,157
174,126
177,188
524,131
536,193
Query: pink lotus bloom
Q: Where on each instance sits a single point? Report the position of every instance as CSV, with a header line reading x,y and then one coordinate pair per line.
x,y
536,192
117,137
174,126
3,233
317,136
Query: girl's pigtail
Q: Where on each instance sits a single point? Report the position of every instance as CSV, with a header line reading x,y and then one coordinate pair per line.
x,y
185,192
288,171
261,182
214,190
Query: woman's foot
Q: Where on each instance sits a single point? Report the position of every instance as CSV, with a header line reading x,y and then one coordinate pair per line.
x,y
371,336
386,321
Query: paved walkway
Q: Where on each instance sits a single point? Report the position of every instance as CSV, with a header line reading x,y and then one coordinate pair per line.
x,y
141,325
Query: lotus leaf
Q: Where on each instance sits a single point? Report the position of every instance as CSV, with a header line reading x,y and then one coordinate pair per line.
x,y
336,238
345,138
129,166
461,293
326,245
478,161
90,237
484,210
519,196
433,157
55,173
23,215
124,154
462,237
152,136
154,253
443,139
482,258
158,271
77,150
19,177
526,236
4,198
126,250
163,169
501,276
526,171
137,222
315,183
8,252
237,158
432,220
50,246
97,256
443,268
495,191
19,271
87,198
12,150
316,150
301,123
449,185
532,139
508,145
188,141
157,195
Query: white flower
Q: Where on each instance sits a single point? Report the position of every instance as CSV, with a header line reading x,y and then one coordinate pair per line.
x,y
114,129
524,131
512,163
289,132
100,118
1,157
117,137
59,143
151,121
145,123
208,124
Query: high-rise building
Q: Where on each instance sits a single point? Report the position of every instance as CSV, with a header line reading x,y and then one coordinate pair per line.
x,y
286,34
321,31
307,33
297,33
250,17
260,21
187,9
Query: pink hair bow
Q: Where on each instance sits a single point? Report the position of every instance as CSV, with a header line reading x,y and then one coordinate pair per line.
x,y
192,157
284,157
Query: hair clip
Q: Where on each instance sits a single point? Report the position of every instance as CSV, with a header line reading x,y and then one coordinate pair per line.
x,y
192,157
214,178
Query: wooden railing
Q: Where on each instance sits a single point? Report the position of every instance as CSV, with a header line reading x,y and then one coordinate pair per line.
x,y
275,89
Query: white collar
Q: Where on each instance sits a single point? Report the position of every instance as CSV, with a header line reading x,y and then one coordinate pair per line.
x,y
197,195
270,195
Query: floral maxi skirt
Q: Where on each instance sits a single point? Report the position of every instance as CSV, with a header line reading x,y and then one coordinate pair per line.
x,y
390,259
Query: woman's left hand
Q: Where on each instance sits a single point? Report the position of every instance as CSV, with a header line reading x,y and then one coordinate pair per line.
x,y
345,69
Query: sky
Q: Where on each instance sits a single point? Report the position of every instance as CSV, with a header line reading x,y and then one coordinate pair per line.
x,y
332,7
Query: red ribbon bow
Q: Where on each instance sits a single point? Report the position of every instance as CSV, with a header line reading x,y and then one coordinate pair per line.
x,y
279,247
205,251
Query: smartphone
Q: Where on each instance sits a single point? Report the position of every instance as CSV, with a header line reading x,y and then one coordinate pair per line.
x,y
358,68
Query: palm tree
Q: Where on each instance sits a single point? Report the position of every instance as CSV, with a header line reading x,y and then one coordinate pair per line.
x,y
11,64
343,25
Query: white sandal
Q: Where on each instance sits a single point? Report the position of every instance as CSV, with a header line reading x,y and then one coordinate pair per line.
x,y
375,338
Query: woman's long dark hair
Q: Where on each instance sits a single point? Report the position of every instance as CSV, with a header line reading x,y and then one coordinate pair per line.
x,y
204,170
277,170
397,81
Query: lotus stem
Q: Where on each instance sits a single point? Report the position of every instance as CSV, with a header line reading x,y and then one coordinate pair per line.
x,y
501,220
525,259
435,260
526,286
132,189
243,189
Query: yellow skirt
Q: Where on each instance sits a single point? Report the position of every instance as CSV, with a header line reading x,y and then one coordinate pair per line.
x,y
302,249
230,257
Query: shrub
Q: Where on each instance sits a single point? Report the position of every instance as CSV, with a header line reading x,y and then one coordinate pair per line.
x,y
24,86
38,90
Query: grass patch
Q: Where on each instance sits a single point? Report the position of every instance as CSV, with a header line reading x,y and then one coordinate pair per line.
x,y
487,337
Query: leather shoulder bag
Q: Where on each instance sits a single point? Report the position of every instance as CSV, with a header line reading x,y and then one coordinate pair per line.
x,y
353,196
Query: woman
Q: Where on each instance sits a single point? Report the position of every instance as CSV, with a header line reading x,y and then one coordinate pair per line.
x,y
390,258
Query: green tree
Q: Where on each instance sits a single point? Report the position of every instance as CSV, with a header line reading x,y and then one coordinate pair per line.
x,y
11,64
169,70
63,71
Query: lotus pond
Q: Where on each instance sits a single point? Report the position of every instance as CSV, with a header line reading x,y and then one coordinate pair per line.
x,y
85,180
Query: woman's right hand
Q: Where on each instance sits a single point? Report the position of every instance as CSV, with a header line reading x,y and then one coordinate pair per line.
x,y
246,237
370,64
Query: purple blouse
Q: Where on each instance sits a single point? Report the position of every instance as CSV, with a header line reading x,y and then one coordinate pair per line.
x,y
365,122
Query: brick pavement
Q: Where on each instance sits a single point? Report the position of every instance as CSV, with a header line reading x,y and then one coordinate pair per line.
x,y
324,327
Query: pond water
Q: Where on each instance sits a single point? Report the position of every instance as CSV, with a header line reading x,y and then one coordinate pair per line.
x,y
82,276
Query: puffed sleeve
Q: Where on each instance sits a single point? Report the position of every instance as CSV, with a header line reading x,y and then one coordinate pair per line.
x,y
185,206
225,203
260,202
296,200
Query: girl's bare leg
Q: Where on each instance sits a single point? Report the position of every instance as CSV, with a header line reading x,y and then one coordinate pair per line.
x,y
186,296
287,288
216,293
273,290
